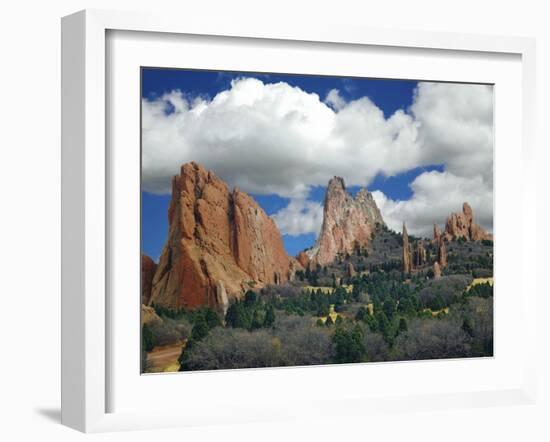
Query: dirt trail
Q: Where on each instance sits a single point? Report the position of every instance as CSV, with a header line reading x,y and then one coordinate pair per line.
x,y
164,358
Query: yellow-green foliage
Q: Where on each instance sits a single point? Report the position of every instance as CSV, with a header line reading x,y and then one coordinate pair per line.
x,y
333,315
480,281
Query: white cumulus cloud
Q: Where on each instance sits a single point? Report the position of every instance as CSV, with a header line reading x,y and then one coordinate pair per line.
x,y
272,138
299,217
435,196
335,100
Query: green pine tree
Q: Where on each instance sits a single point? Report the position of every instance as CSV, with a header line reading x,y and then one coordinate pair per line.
x,y
269,316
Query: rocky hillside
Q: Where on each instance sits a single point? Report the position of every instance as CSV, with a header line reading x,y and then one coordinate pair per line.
x,y
220,243
348,223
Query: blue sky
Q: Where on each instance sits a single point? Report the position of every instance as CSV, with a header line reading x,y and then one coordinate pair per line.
x,y
388,95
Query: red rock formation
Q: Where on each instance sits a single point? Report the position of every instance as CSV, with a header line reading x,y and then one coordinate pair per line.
x,y
303,259
439,241
419,254
442,253
350,271
258,247
437,234
348,222
437,270
462,225
148,268
407,259
219,244
294,267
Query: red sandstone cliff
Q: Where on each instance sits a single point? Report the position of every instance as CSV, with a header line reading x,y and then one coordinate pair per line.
x,y
219,244
347,222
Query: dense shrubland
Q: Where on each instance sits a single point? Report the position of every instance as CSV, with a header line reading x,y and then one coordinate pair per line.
x,y
327,316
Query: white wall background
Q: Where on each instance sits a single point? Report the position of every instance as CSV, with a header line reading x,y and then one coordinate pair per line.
x,y
30,216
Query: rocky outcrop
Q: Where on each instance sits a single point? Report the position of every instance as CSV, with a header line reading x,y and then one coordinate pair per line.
x,y
348,222
407,258
439,242
148,269
441,250
419,254
303,259
442,253
462,225
294,267
219,244
437,234
437,270
257,245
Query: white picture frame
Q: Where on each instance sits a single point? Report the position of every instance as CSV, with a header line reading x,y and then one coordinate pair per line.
x,y
86,315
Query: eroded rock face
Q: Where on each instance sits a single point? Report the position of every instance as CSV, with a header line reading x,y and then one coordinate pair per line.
x,y
437,270
407,258
442,253
462,225
148,269
258,247
215,235
294,267
437,234
348,222
439,241
303,259
420,254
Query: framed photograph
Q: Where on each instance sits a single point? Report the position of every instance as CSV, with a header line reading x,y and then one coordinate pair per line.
x,y
271,221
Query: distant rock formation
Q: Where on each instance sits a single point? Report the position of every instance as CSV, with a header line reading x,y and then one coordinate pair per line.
x,y
437,234
419,254
442,253
220,243
407,258
462,225
414,256
148,269
294,267
348,222
439,242
350,271
303,259
437,271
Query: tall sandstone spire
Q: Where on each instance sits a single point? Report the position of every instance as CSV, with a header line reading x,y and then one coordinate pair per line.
x,y
437,233
348,222
439,241
419,254
442,253
219,243
407,259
